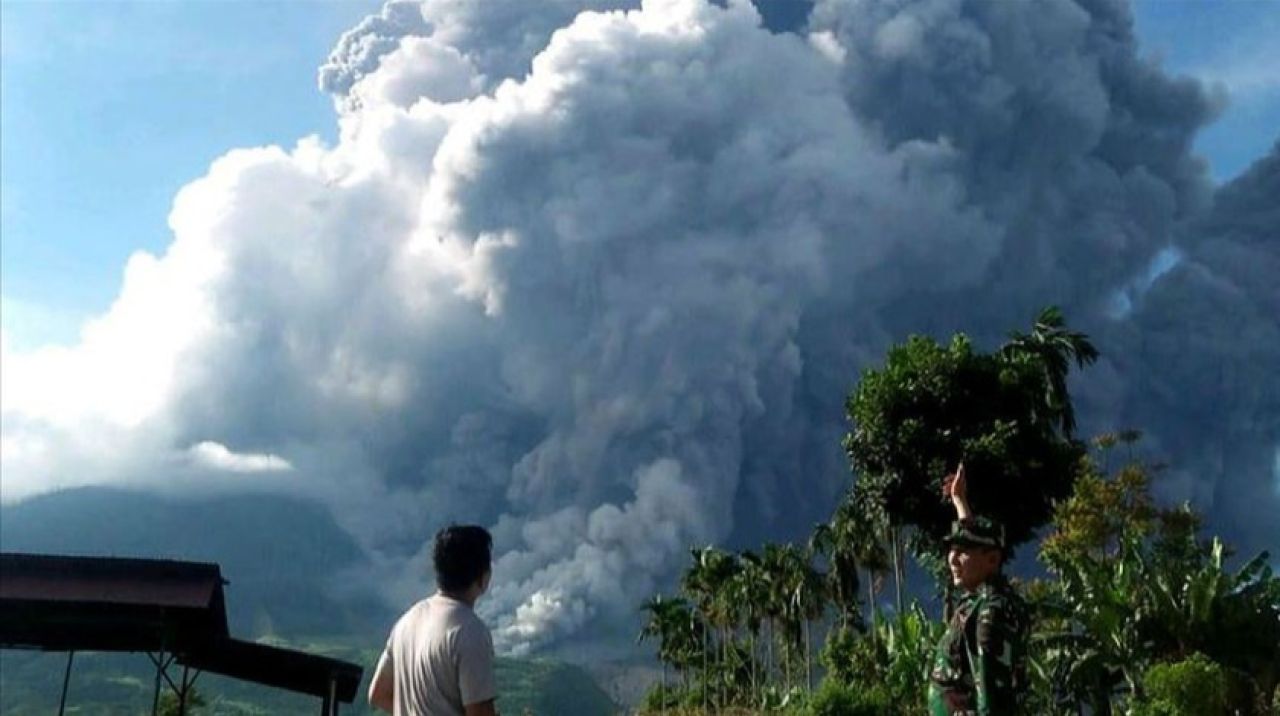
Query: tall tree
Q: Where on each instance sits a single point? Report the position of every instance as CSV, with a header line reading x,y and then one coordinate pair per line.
x,y
1006,414
707,582
808,601
1050,348
668,621
779,561
845,541
751,589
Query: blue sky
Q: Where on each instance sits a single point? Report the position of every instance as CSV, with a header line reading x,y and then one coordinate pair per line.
x,y
108,108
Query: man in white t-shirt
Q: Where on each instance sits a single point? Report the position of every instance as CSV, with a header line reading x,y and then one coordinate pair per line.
x,y
439,658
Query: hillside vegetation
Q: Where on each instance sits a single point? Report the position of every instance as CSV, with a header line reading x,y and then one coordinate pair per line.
x,y
120,684
1135,611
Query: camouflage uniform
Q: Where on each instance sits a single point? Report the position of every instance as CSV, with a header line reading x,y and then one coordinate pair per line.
x,y
978,665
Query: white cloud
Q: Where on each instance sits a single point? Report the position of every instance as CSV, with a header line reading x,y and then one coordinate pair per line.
x,y
217,457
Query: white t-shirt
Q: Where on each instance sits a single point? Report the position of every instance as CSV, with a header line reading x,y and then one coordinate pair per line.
x,y
442,658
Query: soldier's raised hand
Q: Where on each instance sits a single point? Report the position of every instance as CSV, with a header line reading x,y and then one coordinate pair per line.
x,y
956,487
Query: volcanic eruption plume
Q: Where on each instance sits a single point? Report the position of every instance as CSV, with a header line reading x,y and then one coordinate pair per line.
x,y
599,275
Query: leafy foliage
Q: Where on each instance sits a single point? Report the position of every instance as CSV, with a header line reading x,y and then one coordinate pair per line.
x,y
1138,614
1194,686
836,698
893,657
1136,586
1006,414
170,706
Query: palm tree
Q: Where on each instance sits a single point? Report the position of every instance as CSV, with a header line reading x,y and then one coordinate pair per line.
x,y
1054,347
794,588
705,582
773,563
868,548
751,589
849,540
808,601
727,611
688,637
827,543
665,621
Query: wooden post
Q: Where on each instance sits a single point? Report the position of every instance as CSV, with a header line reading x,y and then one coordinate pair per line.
x,y
155,696
182,694
66,682
329,707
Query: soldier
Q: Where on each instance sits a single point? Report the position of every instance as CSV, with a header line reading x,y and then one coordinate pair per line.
x,y
979,665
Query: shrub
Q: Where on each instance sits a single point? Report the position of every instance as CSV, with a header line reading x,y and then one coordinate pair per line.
x,y
836,699
1194,686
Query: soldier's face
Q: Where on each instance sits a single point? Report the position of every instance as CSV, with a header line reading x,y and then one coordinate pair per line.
x,y
971,566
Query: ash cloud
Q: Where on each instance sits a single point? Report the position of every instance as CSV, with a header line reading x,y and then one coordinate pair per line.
x,y
600,278
1201,354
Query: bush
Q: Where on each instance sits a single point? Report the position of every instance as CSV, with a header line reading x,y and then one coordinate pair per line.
x,y
1195,686
840,656
890,660
659,698
836,699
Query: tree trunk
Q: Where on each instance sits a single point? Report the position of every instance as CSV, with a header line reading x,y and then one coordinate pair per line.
x,y
662,694
768,669
897,567
786,657
808,657
724,667
871,595
706,674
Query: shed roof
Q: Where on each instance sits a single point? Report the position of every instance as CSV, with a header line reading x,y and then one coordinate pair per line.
x,y
60,602
73,603
110,580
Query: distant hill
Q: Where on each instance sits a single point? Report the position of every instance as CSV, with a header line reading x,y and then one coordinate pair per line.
x,y
281,555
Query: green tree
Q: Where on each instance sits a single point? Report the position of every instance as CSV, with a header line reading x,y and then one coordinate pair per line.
x,y
751,590
786,565
1006,414
841,541
708,583
662,624
680,635
1136,586
773,563
808,602
1049,349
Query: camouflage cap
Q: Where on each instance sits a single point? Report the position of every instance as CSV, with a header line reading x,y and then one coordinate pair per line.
x,y
976,532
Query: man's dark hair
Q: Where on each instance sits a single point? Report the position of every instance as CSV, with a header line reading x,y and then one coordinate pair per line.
x,y
461,556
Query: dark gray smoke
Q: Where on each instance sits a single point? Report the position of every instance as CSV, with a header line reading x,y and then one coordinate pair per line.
x,y
601,280
1201,355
